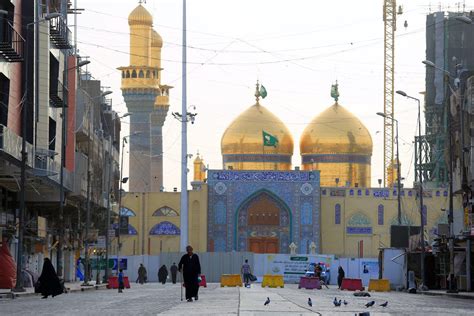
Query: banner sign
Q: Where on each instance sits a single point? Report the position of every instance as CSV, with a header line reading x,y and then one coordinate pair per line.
x,y
292,267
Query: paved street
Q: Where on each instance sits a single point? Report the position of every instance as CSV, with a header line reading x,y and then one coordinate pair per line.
x,y
152,299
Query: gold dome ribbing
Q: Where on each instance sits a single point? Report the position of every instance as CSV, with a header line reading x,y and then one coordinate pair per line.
x,y
242,142
339,145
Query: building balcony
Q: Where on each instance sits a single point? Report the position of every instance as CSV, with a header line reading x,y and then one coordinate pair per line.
x,y
57,95
12,44
10,147
80,177
59,33
47,167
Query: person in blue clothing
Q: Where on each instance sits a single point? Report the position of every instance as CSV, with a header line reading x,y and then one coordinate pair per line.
x,y
121,285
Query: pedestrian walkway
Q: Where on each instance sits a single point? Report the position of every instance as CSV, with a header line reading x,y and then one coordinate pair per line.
x,y
70,286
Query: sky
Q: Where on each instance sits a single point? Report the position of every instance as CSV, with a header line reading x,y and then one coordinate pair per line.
x,y
296,49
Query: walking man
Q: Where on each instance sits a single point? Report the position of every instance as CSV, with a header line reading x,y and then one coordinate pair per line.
x,y
191,268
246,272
174,272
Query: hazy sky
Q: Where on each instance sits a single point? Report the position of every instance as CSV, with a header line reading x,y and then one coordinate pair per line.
x,y
296,48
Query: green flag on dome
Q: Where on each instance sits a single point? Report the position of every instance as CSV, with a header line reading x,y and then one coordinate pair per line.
x,y
263,92
335,91
269,140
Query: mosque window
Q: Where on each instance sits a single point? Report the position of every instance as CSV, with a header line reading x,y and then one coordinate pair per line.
x,y
125,211
127,74
410,193
306,214
141,74
220,216
323,191
438,193
380,214
445,193
165,211
367,192
359,192
165,228
425,214
337,214
351,192
134,74
131,230
148,73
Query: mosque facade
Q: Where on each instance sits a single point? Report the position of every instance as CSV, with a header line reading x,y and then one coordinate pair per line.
x,y
259,200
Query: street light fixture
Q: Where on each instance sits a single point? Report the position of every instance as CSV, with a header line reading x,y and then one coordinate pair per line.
x,y
122,181
88,208
452,288
24,157
107,238
420,180
399,204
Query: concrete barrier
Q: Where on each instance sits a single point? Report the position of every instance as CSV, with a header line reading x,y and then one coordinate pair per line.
x,y
273,280
352,285
309,283
379,285
231,280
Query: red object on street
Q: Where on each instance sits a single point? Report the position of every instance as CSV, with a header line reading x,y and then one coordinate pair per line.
x,y
8,267
203,281
113,282
352,285
309,283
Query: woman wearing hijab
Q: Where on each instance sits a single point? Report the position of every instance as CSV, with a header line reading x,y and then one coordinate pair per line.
x,y
340,276
162,274
49,283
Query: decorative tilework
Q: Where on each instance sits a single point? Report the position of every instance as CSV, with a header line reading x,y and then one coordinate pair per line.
x,y
220,215
380,215
306,214
131,229
359,219
284,186
125,211
337,214
165,228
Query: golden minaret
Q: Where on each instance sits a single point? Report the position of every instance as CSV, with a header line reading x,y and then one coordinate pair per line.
x,y
147,101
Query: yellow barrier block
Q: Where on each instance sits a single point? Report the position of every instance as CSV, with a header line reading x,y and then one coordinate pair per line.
x,y
382,285
273,280
231,280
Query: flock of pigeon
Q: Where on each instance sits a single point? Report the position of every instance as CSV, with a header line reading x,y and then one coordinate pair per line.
x,y
336,303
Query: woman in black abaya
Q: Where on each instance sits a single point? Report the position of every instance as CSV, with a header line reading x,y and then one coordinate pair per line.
x,y
48,282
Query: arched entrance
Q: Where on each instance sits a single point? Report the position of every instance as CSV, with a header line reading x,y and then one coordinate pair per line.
x,y
263,224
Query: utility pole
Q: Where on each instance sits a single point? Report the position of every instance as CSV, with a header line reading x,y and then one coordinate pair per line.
x,y
184,146
419,175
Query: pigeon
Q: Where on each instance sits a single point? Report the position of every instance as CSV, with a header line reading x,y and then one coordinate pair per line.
x,y
370,304
345,302
384,304
364,314
267,302
336,302
310,303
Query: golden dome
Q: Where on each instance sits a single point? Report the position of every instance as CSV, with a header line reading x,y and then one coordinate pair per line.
x,y
338,145
242,143
140,16
336,131
156,40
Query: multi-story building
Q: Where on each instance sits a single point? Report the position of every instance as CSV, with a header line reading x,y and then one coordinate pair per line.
x,y
69,125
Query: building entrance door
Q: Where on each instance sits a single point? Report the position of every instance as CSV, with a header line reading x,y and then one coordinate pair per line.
x,y
263,244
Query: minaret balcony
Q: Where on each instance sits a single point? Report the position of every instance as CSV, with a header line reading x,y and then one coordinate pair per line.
x,y
12,44
59,33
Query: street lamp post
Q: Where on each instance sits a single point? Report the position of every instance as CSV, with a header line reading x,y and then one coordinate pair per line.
x,y
88,202
59,259
24,157
452,287
420,180
109,187
399,204
122,181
